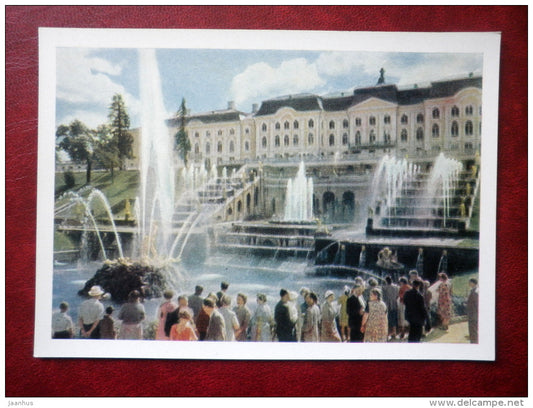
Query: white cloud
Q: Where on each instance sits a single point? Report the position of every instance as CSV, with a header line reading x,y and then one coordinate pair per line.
x,y
261,81
84,80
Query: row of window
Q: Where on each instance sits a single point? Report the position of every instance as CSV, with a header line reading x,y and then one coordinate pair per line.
x,y
404,136
435,114
219,132
220,147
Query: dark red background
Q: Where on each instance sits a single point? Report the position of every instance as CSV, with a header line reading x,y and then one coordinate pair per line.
x,y
27,376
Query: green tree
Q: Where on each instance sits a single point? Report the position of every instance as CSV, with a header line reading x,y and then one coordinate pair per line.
x,y
77,141
183,144
106,151
119,124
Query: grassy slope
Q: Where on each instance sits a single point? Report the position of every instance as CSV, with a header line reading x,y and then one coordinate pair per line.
x,y
124,186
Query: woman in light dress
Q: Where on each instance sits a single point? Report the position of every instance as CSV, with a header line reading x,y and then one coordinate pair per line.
x,y
444,309
262,321
343,314
375,323
311,319
329,332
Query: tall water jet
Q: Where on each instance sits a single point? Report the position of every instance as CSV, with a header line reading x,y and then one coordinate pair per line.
x,y
156,159
390,178
441,184
299,197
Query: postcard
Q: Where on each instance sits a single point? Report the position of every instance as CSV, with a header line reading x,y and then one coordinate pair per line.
x,y
266,195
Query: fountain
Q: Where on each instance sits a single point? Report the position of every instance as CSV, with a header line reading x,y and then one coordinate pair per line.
x,y
406,200
158,236
299,197
157,164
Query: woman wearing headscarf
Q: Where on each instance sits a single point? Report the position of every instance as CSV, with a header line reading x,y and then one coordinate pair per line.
x,y
311,319
262,321
329,332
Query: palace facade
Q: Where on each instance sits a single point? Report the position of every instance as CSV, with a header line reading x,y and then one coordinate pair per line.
x,y
417,122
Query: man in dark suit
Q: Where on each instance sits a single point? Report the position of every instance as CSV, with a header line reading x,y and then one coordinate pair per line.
x,y
472,310
355,308
415,311
284,324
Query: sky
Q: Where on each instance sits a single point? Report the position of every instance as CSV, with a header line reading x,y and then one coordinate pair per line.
x,y
87,78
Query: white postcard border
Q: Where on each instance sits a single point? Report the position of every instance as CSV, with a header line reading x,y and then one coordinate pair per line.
x,y
50,38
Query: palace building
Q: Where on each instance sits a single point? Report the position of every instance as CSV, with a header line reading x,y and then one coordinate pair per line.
x,y
417,121
341,139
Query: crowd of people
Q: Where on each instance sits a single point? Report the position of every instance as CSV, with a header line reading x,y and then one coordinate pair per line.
x,y
365,312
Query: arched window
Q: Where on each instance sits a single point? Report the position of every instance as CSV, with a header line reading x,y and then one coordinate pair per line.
x,y
295,140
469,110
386,119
196,148
207,148
310,139
357,121
264,142
196,134
219,147
332,139
286,125
435,113
264,127
386,138
404,120
358,138
435,130
419,134
455,129
420,118
232,131
247,145
295,125
345,139
469,128
231,146
332,124
278,126
372,137
372,120
207,133
403,136
286,140
311,123
277,141
345,124
455,111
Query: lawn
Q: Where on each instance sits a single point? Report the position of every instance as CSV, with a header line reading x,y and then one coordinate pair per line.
x,y
124,185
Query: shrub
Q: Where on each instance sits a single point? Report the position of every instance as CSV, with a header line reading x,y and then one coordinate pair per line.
x,y
70,180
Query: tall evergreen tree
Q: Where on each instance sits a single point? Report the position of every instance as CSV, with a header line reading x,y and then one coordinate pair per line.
x,y
183,144
77,141
119,123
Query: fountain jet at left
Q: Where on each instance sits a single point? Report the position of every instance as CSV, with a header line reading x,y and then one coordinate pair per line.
x,y
151,269
156,164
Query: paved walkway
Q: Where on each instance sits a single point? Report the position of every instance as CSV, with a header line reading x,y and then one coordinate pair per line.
x,y
457,333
